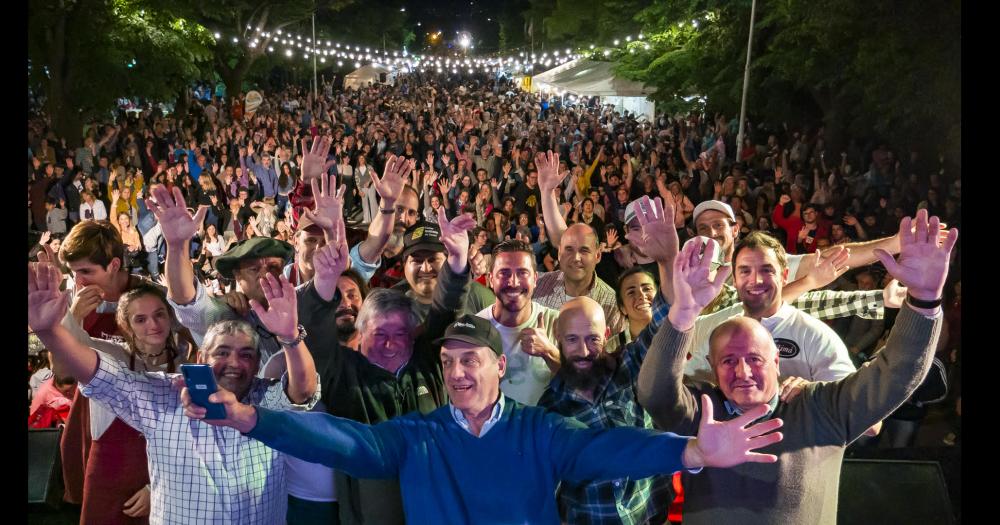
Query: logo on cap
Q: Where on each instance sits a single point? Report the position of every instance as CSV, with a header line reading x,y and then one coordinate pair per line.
x,y
464,325
417,233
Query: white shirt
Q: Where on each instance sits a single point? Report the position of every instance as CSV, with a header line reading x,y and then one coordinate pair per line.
x,y
97,208
527,375
807,347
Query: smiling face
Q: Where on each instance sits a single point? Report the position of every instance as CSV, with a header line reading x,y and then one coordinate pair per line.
x,y
745,362
234,361
148,322
421,270
513,280
582,333
759,281
579,253
638,291
717,225
388,342
350,305
472,375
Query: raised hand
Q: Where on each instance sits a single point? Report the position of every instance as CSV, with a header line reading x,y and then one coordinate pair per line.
x,y
314,161
329,203
329,263
455,238
829,266
692,288
613,239
281,316
171,212
390,185
658,237
923,260
727,444
239,416
46,304
549,177
45,238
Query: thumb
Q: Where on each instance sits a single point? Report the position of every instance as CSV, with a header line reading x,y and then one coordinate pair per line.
x,y
199,216
887,260
707,414
540,321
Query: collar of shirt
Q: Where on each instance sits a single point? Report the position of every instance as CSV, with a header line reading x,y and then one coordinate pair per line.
x,y
783,313
734,410
459,417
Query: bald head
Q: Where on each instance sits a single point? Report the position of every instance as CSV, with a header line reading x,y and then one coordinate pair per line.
x,y
745,361
739,331
579,254
582,311
579,234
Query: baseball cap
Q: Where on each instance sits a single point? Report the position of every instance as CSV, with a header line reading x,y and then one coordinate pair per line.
x,y
422,236
718,206
475,331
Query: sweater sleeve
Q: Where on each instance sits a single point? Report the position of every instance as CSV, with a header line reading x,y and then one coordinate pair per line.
x,y
449,297
361,450
584,454
661,389
849,406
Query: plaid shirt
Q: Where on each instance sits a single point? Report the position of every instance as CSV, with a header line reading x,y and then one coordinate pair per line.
x,y
550,291
821,304
198,473
627,501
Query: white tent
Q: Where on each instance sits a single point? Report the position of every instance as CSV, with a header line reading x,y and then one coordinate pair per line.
x,y
589,78
373,73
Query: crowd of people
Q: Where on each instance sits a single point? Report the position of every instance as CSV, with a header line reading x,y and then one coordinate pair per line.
x,y
470,281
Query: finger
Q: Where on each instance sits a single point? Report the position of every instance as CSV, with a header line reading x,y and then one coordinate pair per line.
x,y
950,240
540,322
764,439
442,217
921,220
906,234
199,216
707,414
178,197
133,500
754,457
751,415
340,192
709,256
721,275
762,428
178,382
276,289
888,260
643,210
314,185
257,308
304,147
32,280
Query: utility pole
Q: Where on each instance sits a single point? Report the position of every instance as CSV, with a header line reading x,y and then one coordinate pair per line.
x,y
315,82
746,83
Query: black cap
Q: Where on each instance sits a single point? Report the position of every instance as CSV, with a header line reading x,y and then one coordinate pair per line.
x,y
422,236
475,331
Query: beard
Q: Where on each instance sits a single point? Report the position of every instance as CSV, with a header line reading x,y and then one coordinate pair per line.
x,y
604,365
346,329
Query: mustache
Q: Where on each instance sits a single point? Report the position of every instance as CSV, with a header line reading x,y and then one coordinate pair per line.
x,y
348,310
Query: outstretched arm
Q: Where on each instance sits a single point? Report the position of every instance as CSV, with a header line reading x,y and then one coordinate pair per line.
x,y
549,180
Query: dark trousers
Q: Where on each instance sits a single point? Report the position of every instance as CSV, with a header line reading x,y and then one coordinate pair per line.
x,y
302,511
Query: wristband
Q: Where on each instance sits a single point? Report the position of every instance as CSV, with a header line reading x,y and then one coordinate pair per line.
x,y
924,304
293,342
387,212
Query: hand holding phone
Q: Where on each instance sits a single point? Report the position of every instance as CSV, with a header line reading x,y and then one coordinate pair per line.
x,y
201,383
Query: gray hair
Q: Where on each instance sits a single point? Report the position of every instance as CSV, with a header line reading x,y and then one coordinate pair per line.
x,y
383,301
223,328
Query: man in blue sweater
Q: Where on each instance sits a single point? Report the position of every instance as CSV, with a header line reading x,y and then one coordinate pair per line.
x,y
486,458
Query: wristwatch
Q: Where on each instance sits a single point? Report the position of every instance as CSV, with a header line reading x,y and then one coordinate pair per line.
x,y
924,304
302,335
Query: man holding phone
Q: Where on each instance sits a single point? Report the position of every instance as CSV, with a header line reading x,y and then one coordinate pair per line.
x,y
197,474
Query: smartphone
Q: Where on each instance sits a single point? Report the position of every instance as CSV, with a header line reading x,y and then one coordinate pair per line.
x,y
201,383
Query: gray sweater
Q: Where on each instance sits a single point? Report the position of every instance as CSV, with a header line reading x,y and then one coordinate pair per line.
x,y
802,487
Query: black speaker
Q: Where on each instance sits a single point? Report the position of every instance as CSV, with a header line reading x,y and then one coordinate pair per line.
x,y
45,484
889,491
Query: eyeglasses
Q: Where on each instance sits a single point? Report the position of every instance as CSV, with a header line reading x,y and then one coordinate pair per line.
x,y
256,269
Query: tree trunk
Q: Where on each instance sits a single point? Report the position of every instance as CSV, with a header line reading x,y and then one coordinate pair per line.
x,y
183,102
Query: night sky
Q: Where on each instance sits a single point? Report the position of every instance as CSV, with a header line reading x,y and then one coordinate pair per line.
x,y
478,17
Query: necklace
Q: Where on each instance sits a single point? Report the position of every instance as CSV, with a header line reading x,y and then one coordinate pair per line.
x,y
152,356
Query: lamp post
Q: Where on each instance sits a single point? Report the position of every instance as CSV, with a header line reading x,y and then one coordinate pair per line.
x,y
746,83
315,83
